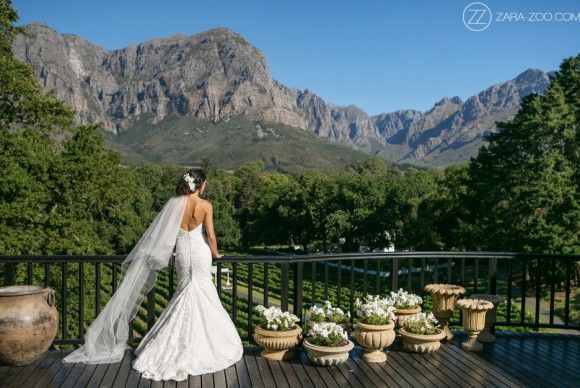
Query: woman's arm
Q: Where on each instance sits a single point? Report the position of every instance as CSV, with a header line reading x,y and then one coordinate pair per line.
x,y
212,241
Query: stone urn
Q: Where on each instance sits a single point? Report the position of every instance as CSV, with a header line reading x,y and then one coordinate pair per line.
x,y
490,316
404,313
373,339
421,343
474,311
328,355
277,345
444,298
28,323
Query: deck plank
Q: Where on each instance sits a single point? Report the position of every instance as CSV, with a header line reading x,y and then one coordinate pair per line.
x,y
242,372
134,377
195,381
278,374
374,372
307,380
40,370
252,367
98,375
311,370
514,360
231,377
291,376
219,380
393,368
74,375
120,380
348,374
264,369
206,380
475,366
21,374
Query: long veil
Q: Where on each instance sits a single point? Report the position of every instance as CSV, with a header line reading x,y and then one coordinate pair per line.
x,y
106,337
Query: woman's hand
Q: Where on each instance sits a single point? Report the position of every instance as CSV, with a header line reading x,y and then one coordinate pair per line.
x,y
218,256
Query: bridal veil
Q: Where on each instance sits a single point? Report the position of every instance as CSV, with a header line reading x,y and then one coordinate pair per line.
x,y
106,337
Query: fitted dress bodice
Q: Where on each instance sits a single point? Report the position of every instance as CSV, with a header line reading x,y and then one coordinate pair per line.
x,y
192,257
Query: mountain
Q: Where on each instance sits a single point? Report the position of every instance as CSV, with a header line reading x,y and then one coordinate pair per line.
x,y
217,75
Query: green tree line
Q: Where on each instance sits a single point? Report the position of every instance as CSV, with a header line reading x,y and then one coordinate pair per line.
x,y
63,192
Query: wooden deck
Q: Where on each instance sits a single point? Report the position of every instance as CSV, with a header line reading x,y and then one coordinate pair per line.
x,y
530,360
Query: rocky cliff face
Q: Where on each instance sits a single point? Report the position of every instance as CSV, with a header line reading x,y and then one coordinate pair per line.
x,y
218,74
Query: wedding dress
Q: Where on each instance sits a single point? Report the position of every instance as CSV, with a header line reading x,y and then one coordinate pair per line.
x,y
194,334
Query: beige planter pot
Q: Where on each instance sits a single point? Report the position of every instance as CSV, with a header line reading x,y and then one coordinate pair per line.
x,y
327,355
473,320
373,339
444,298
404,313
28,323
490,316
277,345
421,343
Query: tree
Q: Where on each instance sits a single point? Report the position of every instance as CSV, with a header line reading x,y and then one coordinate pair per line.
x,y
61,190
524,182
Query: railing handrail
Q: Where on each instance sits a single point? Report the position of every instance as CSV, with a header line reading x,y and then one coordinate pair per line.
x,y
295,258
378,269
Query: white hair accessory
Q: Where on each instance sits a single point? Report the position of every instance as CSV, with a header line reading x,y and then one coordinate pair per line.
x,y
190,181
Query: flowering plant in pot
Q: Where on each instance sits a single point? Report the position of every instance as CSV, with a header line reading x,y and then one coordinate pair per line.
x,y
327,344
277,333
420,333
406,304
327,313
375,325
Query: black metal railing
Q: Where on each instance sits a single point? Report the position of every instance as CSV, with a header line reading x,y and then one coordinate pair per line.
x,y
534,285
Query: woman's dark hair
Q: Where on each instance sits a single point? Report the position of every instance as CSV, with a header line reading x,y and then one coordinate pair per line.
x,y
183,186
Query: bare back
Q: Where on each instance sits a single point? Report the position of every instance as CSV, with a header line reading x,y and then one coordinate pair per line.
x,y
195,212
198,211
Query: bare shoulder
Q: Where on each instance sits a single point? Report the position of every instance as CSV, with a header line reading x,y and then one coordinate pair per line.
x,y
207,205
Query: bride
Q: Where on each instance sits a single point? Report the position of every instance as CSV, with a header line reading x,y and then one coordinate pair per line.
x,y
194,334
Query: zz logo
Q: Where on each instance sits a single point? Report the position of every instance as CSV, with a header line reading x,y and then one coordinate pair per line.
x,y
476,16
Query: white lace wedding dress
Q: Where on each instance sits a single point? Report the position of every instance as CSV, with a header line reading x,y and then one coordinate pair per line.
x,y
194,334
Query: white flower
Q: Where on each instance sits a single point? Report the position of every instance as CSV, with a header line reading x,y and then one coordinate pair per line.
x,y
328,313
421,323
405,300
327,329
273,318
373,307
190,181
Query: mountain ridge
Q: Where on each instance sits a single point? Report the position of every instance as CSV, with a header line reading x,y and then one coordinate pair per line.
x,y
218,74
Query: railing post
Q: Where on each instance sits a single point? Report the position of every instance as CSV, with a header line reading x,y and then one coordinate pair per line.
x,y
284,287
394,274
250,282
151,308
9,274
298,289
493,275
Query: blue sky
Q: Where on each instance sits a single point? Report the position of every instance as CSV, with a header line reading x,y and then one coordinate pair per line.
x,y
378,55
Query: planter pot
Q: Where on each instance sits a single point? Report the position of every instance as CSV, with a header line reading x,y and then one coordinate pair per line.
x,y
421,343
404,313
490,316
277,345
327,355
373,339
473,320
28,323
444,298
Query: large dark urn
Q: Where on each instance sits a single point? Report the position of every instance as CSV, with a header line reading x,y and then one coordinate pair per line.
x,y
28,323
